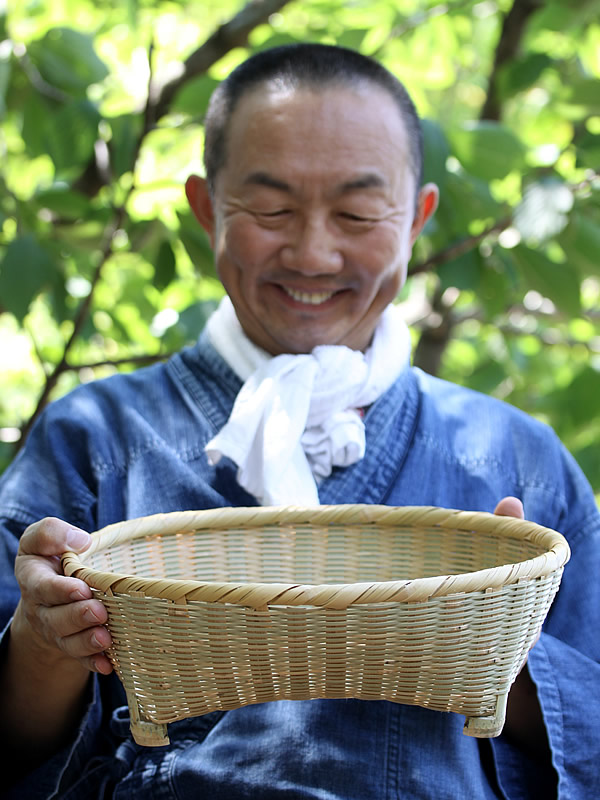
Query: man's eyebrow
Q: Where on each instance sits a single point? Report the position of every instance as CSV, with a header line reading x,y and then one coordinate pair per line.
x,y
264,179
370,180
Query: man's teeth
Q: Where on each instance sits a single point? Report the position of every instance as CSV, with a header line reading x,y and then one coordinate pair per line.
x,y
312,298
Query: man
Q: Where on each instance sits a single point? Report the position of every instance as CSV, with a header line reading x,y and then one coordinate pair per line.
x,y
312,202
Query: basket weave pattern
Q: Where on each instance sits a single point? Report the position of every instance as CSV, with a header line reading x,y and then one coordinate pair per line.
x,y
416,605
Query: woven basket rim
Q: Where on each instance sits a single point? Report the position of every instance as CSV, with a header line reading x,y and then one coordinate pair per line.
x,y
340,596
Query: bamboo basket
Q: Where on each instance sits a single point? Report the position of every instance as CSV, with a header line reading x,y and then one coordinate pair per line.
x,y
222,608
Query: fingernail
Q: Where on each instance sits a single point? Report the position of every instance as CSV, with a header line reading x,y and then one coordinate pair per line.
x,y
90,616
78,595
77,540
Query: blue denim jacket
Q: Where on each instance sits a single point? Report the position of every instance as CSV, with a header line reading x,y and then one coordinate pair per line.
x,y
134,444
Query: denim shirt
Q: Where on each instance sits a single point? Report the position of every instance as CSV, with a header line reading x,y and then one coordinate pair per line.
x,y
133,445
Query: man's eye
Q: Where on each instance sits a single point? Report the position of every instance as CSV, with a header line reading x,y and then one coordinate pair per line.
x,y
354,217
280,212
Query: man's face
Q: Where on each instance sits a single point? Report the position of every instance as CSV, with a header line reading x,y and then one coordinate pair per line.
x,y
314,215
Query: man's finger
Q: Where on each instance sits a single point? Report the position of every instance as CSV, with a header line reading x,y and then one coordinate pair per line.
x,y
52,537
86,643
510,507
42,584
72,618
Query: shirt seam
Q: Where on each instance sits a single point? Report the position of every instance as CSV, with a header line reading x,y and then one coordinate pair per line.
x,y
556,746
103,467
582,530
469,463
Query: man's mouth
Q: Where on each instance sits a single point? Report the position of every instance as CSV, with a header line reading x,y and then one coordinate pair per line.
x,y
311,298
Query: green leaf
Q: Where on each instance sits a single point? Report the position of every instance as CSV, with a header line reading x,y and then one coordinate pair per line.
x,y
435,152
578,402
487,377
35,113
196,243
24,271
463,272
463,200
519,74
585,92
132,13
146,237
543,210
588,460
67,60
7,452
134,294
164,268
190,323
70,134
588,150
581,243
494,286
193,97
565,15
4,81
87,234
58,296
126,131
276,40
554,17
352,38
487,149
506,264
67,203
558,282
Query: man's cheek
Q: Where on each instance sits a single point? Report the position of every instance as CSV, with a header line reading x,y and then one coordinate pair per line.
x,y
242,243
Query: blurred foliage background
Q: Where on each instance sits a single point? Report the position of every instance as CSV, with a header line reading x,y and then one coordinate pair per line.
x,y
102,267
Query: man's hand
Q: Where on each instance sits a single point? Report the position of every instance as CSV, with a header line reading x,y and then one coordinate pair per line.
x,y
56,638
57,616
510,507
524,721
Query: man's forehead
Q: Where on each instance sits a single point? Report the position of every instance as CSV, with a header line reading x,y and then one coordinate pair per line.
x,y
353,136
265,100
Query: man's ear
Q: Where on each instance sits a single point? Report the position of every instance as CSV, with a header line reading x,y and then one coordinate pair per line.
x,y
196,191
427,203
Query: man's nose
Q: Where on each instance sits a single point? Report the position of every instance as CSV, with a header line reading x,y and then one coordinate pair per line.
x,y
313,249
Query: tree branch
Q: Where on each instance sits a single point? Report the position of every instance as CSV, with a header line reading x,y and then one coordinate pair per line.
x,y
37,81
513,29
434,337
148,358
83,310
233,33
78,323
420,18
458,248
550,336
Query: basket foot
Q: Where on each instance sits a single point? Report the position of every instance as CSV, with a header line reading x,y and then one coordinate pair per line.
x,y
488,727
149,734
143,730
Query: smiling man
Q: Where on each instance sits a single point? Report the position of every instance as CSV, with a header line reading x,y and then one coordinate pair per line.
x,y
299,391
312,243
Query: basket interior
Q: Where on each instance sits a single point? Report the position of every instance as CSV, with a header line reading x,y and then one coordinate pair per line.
x,y
311,554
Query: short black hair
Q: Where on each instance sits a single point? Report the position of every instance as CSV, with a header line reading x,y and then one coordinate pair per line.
x,y
315,66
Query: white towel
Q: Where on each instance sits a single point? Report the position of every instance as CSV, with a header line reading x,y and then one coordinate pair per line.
x,y
298,416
